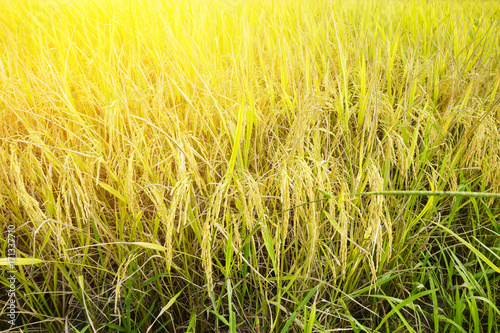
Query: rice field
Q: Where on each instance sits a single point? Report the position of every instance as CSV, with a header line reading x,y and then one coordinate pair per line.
x,y
249,166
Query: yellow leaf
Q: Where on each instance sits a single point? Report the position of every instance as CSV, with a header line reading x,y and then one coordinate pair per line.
x,y
150,246
81,281
113,191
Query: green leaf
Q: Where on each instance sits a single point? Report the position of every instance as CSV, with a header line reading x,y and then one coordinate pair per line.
x,y
312,317
268,242
299,308
224,320
165,308
326,194
472,248
19,261
334,223
192,323
400,305
116,327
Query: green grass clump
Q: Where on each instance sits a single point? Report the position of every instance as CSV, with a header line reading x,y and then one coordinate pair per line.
x,y
251,166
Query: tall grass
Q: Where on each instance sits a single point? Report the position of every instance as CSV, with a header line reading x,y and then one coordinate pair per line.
x,y
188,165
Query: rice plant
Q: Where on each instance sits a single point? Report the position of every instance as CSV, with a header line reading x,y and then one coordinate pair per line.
x,y
249,166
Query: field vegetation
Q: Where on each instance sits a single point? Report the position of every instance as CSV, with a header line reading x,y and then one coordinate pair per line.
x,y
203,166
